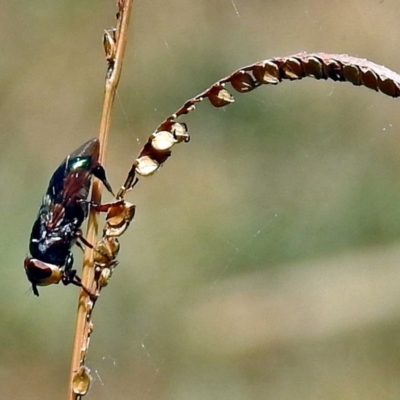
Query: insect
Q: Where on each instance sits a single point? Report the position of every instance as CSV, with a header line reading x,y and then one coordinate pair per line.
x,y
63,210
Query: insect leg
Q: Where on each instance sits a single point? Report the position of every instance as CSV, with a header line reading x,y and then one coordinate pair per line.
x,y
70,277
102,207
81,238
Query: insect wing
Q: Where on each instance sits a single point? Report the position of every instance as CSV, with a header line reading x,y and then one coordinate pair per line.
x,y
71,180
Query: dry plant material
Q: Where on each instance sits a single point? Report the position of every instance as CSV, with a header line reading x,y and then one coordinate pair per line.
x,y
114,45
337,67
120,214
81,381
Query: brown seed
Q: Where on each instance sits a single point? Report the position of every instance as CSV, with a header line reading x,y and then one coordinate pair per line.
x,y
313,68
146,166
369,78
388,87
81,381
267,72
292,69
163,140
242,81
352,74
219,96
118,218
333,70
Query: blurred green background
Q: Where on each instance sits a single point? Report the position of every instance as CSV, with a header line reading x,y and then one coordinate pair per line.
x,y
263,262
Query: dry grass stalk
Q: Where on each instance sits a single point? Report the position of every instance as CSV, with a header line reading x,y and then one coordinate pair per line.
x,y
115,44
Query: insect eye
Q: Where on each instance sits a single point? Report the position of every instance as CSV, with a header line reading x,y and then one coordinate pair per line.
x,y
37,269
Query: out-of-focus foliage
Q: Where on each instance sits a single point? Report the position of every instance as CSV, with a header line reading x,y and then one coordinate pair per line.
x,y
263,259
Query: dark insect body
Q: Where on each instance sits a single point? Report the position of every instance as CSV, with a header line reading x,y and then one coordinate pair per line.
x,y
63,210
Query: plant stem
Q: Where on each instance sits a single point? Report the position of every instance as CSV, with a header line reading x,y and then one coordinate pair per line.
x,y
83,323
